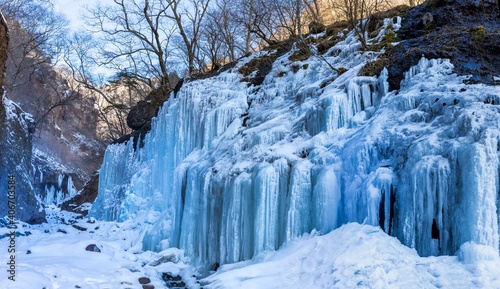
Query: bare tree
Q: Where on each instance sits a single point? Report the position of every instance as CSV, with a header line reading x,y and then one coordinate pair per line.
x,y
356,13
221,31
135,36
314,10
273,20
289,14
115,98
36,32
36,35
188,17
124,92
213,46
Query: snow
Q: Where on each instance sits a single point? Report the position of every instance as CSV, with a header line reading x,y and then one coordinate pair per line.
x,y
53,256
14,113
356,256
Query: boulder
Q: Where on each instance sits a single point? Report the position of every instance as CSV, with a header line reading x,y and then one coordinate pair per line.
x,y
145,110
93,248
144,280
316,27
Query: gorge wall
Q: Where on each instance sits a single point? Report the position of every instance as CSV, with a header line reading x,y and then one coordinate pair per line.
x,y
16,128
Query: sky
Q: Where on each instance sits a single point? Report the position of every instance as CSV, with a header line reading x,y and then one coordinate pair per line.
x,y
74,9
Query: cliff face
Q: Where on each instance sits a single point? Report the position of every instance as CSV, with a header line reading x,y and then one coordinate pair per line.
x,y
66,150
4,37
16,128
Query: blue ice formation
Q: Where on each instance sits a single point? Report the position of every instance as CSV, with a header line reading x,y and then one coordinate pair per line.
x,y
229,171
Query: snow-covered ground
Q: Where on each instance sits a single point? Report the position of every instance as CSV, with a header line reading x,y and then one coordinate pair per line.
x,y
53,256
355,256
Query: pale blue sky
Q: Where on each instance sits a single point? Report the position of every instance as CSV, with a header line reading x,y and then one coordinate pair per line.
x,y
73,9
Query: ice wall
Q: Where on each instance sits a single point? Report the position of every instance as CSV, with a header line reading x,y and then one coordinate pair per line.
x,y
229,170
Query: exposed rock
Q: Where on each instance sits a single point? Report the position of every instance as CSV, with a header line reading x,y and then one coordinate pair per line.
x,y
65,144
92,248
16,128
460,31
148,286
4,42
173,281
427,19
146,109
167,277
144,280
79,228
85,196
256,70
316,27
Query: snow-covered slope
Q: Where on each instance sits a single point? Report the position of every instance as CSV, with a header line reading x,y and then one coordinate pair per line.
x,y
354,256
230,170
55,256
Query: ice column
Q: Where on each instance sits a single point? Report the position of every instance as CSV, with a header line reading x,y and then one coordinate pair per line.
x,y
299,212
478,212
431,183
326,199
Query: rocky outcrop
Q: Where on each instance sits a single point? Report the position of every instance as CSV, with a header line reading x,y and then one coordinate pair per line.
x,y
4,37
79,203
464,31
140,116
145,110
16,128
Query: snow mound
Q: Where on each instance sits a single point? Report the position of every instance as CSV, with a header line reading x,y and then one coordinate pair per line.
x,y
354,256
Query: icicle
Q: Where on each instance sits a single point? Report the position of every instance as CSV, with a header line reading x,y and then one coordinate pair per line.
x,y
299,213
71,188
59,181
237,231
379,194
327,198
267,218
477,215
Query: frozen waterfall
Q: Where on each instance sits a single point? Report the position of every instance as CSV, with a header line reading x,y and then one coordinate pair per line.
x,y
229,171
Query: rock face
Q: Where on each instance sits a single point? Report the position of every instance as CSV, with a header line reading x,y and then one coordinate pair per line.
x,y
146,109
4,37
464,31
86,196
16,128
66,149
